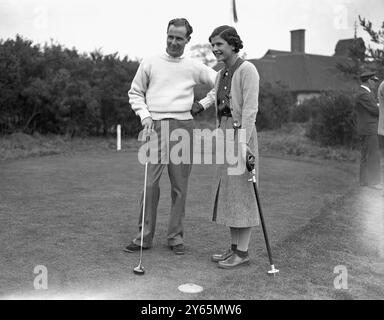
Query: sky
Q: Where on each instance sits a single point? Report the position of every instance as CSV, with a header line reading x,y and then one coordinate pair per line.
x,y
137,28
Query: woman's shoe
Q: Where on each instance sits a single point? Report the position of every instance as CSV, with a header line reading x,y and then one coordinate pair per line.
x,y
233,261
222,256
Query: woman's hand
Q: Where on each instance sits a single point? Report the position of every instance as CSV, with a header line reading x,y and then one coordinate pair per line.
x,y
249,159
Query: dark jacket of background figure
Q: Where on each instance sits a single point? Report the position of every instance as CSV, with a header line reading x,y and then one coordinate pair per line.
x,y
367,113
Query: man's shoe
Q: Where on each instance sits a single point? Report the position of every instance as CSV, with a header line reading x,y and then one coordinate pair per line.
x,y
222,256
233,261
178,249
132,247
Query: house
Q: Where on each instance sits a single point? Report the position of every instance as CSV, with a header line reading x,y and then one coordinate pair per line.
x,y
308,75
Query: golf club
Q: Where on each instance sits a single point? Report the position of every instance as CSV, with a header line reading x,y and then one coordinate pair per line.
x,y
139,270
251,167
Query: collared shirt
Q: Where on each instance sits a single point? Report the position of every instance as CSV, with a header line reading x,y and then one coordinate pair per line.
x,y
224,88
366,88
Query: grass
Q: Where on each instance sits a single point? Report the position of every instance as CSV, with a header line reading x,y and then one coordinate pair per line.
x,y
291,141
20,145
74,213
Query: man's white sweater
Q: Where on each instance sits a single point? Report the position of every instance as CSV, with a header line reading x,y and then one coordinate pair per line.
x,y
163,86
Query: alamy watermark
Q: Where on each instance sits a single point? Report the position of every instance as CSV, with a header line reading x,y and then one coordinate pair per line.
x,y
340,21
341,280
40,281
40,22
178,147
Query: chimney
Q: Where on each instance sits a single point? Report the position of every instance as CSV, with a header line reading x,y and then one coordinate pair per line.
x,y
298,41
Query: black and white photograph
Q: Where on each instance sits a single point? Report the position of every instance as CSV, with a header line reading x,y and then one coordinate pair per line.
x,y
211,153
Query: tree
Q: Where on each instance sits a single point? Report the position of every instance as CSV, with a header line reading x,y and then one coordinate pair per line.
x,y
57,90
375,56
372,59
377,37
204,53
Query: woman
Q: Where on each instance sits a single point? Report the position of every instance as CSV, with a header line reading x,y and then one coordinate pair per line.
x,y
236,100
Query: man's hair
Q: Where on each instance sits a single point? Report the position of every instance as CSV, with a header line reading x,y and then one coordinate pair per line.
x,y
181,22
230,35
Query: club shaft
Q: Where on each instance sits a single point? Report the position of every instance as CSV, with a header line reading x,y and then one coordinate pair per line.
x,y
144,198
143,214
263,223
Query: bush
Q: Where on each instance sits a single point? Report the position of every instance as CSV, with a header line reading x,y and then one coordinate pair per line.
x,y
305,111
52,89
274,104
334,121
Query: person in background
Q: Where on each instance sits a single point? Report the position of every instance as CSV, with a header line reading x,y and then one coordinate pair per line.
x,y
162,95
367,113
236,100
380,131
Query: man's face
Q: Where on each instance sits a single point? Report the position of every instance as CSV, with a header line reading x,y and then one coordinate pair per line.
x,y
372,84
176,40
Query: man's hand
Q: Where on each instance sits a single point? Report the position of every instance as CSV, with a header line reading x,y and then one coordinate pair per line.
x,y
147,124
196,109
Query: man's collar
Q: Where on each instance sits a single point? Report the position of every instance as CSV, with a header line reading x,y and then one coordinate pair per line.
x,y
366,88
177,58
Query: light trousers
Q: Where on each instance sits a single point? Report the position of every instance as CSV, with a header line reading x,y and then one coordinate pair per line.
x,y
178,175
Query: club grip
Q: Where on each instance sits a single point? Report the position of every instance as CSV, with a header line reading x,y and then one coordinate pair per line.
x,y
250,161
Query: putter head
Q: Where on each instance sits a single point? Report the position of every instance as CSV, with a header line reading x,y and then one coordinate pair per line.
x,y
139,270
273,271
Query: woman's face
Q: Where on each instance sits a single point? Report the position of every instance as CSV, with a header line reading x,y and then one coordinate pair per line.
x,y
222,50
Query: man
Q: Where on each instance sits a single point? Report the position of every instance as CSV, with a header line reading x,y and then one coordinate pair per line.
x,y
380,96
367,124
162,95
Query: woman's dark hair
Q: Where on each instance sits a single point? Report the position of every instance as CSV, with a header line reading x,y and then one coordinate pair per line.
x,y
181,22
230,35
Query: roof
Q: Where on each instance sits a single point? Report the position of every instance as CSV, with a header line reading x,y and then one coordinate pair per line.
x,y
273,53
304,72
344,46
